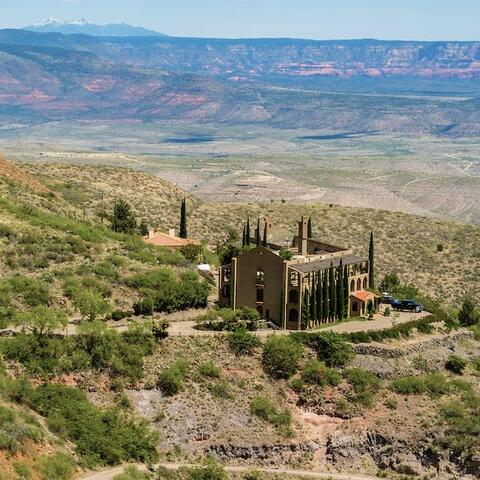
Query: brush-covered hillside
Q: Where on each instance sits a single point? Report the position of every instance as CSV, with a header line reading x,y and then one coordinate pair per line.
x,y
89,377
441,258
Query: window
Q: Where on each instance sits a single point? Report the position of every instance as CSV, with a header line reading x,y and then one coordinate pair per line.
x,y
260,310
293,315
294,279
226,291
259,294
352,286
365,283
293,296
359,284
260,277
227,275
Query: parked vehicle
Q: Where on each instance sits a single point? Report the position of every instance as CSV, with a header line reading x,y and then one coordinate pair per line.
x,y
388,299
410,305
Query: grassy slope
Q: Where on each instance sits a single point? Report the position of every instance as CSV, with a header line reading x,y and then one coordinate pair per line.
x,y
406,244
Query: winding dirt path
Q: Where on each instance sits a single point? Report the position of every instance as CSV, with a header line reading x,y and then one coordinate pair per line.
x,y
110,473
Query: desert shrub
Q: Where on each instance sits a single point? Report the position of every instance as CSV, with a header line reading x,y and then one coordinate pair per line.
x,y
168,292
331,348
102,436
437,384
15,430
409,385
365,385
58,466
209,369
22,470
476,364
170,380
456,364
468,314
132,473
90,304
280,356
242,342
297,385
118,315
221,390
263,407
317,373
6,231
28,290
226,319
210,470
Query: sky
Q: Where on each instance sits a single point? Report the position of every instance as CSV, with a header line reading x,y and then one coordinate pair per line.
x,y
315,19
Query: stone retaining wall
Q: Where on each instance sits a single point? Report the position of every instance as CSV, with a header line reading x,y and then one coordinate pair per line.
x,y
381,350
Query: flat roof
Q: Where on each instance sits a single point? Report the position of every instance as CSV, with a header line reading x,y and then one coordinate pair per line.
x,y
315,265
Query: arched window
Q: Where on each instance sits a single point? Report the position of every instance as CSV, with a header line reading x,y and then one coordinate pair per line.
x,y
294,279
293,296
260,277
352,286
359,284
293,315
227,275
365,283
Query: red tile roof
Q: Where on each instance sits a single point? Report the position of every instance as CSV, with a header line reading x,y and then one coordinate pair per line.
x,y
363,295
164,240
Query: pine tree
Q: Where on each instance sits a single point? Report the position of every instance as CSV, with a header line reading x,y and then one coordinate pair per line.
x,y
340,293
305,310
257,233
183,219
247,233
371,258
331,293
123,219
309,228
326,300
265,240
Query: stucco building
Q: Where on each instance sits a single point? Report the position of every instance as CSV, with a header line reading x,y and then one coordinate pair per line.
x,y
320,282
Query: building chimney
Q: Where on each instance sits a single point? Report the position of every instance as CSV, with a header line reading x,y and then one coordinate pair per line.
x,y
268,224
303,236
151,232
171,232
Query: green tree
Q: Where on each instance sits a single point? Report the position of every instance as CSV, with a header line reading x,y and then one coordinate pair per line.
x,y
123,219
281,355
248,234
326,299
390,282
42,320
244,236
340,293
91,305
319,293
468,314
371,259
313,302
332,293
305,310
257,233
265,239
309,228
143,228
183,219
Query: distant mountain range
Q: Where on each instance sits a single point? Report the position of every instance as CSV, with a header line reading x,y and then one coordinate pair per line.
x,y
83,26
273,82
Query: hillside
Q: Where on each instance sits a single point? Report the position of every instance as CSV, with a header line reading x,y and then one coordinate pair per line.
x,y
440,257
122,392
50,76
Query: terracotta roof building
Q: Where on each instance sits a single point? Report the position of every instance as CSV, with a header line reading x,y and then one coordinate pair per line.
x,y
168,240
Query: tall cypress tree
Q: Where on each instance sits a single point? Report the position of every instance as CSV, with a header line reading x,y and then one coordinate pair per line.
x,y
247,233
257,233
340,293
183,219
326,300
265,240
244,236
345,291
305,310
309,228
313,301
371,258
320,296
332,292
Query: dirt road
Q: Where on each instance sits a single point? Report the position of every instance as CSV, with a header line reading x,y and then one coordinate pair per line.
x,y
109,474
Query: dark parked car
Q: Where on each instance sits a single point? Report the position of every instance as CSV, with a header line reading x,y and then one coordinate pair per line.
x,y
388,299
410,305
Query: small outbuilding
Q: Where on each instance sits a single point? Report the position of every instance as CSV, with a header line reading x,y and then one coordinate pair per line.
x,y
360,301
169,240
